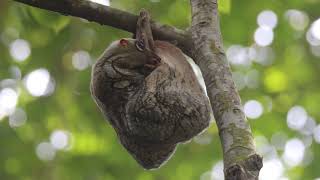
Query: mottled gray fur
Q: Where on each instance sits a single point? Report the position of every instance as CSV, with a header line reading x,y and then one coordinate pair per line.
x,y
151,110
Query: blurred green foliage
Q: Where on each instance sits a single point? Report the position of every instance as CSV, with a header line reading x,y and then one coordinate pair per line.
x,y
291,77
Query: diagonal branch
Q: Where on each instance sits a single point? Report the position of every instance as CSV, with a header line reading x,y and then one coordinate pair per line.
x,y
240,159
116,18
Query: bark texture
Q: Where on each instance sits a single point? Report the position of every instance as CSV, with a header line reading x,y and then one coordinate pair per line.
x,y
203,43
240,158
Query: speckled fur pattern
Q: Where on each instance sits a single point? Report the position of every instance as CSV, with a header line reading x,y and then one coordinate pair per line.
x,y
151,111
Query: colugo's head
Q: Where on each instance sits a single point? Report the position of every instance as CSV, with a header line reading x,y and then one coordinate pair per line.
x,y
125,53
124,45
123,59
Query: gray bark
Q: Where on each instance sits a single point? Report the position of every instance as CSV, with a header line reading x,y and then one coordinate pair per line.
x,y
240,158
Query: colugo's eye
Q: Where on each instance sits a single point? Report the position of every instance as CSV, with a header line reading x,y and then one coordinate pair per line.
x,y
140,45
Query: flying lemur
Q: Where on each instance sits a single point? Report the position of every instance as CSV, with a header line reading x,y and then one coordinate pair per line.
x,y
152,98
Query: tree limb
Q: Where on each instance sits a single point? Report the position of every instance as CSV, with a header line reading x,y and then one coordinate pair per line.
x,y
116,18
240,159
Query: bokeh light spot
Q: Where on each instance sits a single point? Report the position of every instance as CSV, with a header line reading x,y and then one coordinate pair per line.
x,y
39,83
238,55
272,170
316,134
45,151
267,18
59,139
17,118
20,50
264,55
312,40
263,36
81,60
315,29
293,152
217,171
297,117
8,101
253,109
308,127
298,20
239,79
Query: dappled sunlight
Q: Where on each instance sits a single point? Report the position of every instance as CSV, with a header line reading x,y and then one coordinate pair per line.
x,y
8,101
315,29
20,50
60,139
217,171
297,117
298,20
316,134
238,55
263,36
17,118
264,55
39,82
312,40
273,169
268,19
81,60
253,109
244,56
308,127
293,152
45,151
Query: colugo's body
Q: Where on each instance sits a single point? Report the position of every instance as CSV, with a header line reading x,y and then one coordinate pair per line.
x,y
152,104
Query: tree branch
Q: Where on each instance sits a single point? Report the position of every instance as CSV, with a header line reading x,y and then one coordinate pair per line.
x,y
240,159
105,15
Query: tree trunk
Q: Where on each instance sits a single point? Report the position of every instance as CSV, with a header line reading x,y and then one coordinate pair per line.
x,y
240,158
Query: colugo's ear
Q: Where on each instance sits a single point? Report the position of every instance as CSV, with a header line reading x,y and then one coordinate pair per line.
x,y
123,43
